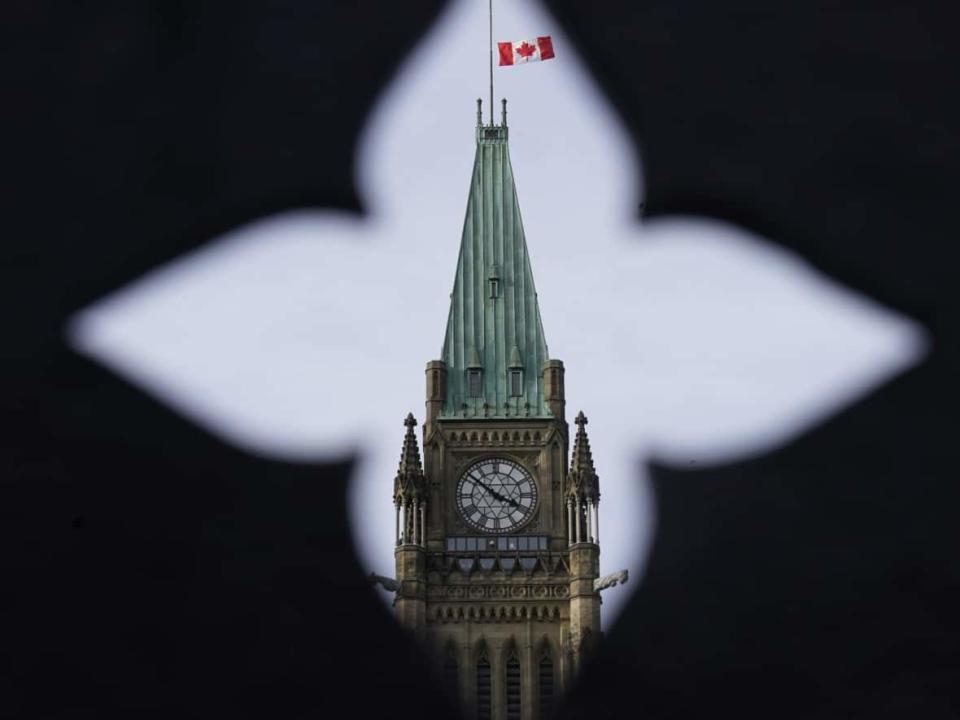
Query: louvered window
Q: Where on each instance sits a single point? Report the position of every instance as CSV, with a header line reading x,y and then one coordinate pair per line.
x,y
516,383
474,383
483,688
513,687
546,686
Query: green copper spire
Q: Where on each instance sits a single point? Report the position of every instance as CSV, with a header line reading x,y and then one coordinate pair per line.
x,y
494,347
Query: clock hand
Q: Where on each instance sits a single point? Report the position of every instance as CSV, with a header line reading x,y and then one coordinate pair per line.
x,y
490,490
507,500
504,498
498,496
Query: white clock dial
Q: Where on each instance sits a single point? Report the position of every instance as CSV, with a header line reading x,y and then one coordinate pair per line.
x,y
496,495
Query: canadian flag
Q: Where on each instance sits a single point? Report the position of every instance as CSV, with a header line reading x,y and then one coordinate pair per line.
x,y
523,51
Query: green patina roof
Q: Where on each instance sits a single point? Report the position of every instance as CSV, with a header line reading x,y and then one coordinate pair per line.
x,y
498,332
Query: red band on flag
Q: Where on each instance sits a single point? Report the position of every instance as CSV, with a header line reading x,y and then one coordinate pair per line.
x,y
506,53
546,47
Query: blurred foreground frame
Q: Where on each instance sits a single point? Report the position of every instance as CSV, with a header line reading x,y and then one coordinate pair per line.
x,y
815,582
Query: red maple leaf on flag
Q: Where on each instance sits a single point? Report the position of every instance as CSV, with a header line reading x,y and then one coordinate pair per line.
x,y
526,50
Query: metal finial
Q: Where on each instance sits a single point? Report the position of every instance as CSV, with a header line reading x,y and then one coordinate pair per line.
x,y
479,111
491,61
503,120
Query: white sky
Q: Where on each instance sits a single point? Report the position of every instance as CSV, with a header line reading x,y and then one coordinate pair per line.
x,y
305,335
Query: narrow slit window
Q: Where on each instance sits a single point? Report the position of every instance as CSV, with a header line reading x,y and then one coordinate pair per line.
x,y
483,688
513,687
516,383
546,686
474,383
494,287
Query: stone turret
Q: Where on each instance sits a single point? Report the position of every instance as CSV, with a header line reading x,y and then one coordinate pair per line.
x,y
583,495
409,484
583,485
436,390
410,502
552,373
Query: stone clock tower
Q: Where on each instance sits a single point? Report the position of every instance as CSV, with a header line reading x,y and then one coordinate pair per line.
x,y
497,548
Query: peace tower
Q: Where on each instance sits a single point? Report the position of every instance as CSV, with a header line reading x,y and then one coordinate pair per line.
x,y
497,540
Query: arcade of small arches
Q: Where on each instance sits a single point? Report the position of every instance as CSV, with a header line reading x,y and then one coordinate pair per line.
x,y
497,438
490,613
411,520
583,519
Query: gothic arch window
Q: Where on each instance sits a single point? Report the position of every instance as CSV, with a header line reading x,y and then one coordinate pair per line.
x,y
546,684
483,685
514,699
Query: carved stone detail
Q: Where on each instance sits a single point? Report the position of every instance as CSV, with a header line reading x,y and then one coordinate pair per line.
x,y
494,613
609,581
498,438
499,591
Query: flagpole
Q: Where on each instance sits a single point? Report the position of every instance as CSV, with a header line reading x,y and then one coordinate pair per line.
x,y
491,62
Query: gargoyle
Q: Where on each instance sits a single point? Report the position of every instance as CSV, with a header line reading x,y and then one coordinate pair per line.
x,y
608,581
391,585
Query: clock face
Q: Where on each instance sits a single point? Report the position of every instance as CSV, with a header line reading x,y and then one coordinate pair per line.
x,y
496,495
